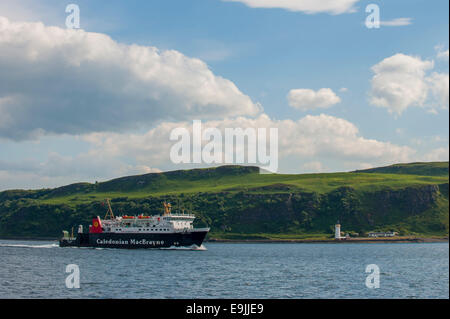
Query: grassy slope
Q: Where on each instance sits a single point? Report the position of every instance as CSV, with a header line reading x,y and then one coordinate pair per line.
x,y
165,184
424,169
247,180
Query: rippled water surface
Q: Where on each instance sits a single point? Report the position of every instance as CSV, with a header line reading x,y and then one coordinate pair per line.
x,y
36,269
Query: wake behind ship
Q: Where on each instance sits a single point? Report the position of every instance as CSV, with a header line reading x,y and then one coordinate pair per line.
x,y
159,231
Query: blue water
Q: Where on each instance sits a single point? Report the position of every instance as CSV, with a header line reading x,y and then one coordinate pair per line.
x,y
36,269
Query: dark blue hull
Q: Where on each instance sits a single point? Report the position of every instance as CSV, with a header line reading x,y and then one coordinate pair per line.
x,y
136,240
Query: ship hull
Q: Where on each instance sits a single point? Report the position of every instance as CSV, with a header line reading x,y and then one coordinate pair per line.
x,y
136,240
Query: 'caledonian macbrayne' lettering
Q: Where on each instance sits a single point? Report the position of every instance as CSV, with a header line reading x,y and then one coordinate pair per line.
x,y
131,241
159,231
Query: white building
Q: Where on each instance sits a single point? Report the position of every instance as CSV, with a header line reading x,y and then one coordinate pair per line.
x,y
337,231
383,234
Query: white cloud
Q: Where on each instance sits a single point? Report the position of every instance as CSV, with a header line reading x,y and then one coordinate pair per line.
x,y
439,84
441,52
437,154
311,139
58,80
307,6
307,138
337,138
398,22
306,99
400,81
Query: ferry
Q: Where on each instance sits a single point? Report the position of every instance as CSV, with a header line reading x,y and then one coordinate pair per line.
x,y
169,230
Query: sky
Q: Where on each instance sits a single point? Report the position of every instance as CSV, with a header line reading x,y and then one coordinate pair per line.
x,y
100,102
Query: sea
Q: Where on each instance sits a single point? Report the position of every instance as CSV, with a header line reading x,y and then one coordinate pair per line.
x,y
42,269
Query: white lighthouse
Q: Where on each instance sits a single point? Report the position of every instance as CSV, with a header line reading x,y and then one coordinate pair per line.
x,y
337,231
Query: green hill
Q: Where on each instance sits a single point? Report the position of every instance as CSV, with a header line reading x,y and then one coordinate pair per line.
x,y
424,169
238,202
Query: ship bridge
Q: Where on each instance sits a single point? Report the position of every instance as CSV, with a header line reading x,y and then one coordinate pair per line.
x,y
180,221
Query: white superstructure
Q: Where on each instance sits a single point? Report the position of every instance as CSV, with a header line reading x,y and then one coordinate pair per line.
x,y
149,224
165,223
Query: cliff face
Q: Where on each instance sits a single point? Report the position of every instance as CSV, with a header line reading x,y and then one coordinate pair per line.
x,y
421,209
312,212
412,200
239,200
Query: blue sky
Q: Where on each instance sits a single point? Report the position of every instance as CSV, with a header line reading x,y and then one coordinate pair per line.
x,y
265,53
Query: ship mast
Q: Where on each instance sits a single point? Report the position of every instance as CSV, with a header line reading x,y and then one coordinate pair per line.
x,y
109,212
167,208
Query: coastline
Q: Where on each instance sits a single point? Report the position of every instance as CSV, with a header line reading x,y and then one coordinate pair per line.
x,y
334,241
365,240
29,238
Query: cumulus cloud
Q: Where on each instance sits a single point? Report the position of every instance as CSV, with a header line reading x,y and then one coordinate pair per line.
x,y
308,137
306,6
307,99
336,138
402,81
55,80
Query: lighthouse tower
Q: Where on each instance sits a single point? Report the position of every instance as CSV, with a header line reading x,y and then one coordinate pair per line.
x,y
337,231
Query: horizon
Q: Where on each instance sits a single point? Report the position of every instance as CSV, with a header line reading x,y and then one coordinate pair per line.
x,y
215,167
